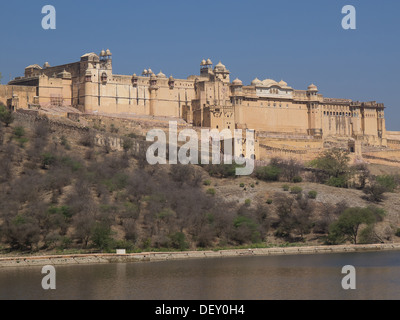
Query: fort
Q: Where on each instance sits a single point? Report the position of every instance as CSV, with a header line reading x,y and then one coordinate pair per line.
x,y
287,121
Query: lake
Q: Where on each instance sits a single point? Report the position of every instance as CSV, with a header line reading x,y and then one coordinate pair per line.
x,y
240,278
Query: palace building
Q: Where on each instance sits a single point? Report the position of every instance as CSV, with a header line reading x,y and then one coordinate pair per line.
x,y
209,99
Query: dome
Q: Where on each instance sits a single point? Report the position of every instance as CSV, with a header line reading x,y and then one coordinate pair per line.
x,y
34,66
283,83
134,75
256,82
209,62
161,75
171,78
150,71
237,82
46,65
108,52
145,72
269,83
102,53
203,63
220,66
153,76
312,87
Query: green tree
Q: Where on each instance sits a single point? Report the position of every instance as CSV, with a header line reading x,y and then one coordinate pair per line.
x,y
375,192
6,116
349,224
101,236
178,241
335,163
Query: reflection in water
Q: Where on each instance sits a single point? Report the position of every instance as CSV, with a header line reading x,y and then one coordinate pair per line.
x,y
240,278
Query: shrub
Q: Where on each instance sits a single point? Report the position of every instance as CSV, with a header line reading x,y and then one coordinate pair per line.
x,y
118,182
101,236
113,129
397,234
252,185
247,202
178,241
268,173
313,194
64,143
270,201
207,183
297,179
289,168
388,182
19,132
127,144
87,139
246,230
47,160
374,192
242,185
133,135
221,170
285,187
296,190
338,182
211,191
6,116
22,141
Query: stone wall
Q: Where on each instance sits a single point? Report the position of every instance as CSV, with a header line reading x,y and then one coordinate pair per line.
x,y
14,262
24,95
76,131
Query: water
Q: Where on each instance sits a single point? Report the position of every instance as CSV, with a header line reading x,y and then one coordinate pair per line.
x,y
240,278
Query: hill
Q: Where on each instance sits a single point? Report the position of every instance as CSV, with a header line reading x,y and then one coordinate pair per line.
x,y
63,188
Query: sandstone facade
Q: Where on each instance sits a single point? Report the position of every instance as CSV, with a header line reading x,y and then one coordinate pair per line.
x,y
209,100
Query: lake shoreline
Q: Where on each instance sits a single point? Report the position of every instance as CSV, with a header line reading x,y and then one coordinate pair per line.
x,y
81,259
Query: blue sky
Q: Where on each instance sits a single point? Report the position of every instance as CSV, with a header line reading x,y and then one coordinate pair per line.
x,y
301,42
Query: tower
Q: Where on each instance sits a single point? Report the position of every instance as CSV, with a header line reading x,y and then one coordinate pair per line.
x,y
206,68
221,73
314,112
106,59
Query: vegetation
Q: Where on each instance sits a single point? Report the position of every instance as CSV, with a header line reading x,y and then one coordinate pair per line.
x,y
268,173
61,192
313,194
6,116
335,165
350,223
296,190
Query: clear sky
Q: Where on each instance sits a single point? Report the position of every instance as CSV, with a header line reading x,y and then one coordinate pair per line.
x,y
301,42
